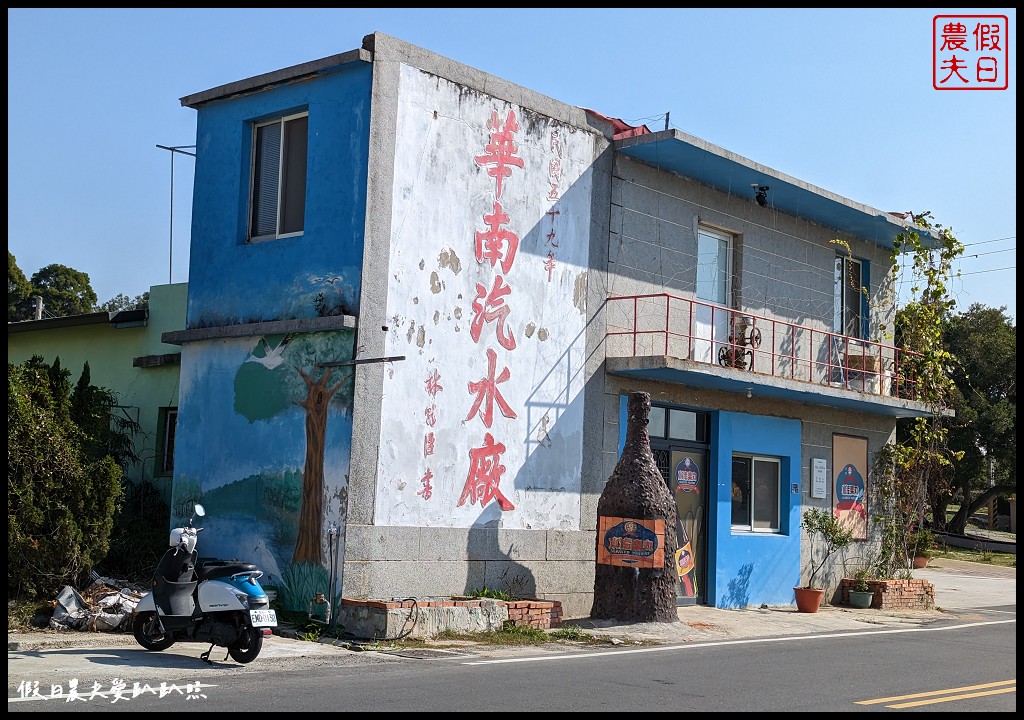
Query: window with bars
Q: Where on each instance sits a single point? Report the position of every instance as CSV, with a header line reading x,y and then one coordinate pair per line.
x,y
277,198
168,426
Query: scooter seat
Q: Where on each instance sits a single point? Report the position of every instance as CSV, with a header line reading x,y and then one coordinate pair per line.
x,y
224,568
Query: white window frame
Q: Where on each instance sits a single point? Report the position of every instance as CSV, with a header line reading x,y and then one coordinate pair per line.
x,y
774,526
252,233
710,322
724,283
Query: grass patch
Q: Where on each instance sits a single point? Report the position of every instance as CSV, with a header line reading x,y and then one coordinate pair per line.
x,y
509,636
486,592
516,635
571,633
984,557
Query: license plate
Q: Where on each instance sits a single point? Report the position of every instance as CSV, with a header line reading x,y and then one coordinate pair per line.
x,y
263,618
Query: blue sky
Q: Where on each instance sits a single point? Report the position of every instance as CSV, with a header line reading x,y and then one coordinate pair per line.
x,y
842,99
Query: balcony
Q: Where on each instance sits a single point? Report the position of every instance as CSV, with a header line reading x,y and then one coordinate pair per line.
x,y
667,337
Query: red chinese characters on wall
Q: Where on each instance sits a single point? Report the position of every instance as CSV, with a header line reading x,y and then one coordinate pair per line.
x,y
489,306
496,245
554,181
552,245
487,393
555,165
485,471
500,153
433,387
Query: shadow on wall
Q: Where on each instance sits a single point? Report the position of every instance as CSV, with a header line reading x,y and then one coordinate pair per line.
x,y
490,568
738,594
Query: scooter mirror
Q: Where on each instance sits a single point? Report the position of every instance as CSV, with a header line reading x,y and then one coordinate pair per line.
x,y
199,510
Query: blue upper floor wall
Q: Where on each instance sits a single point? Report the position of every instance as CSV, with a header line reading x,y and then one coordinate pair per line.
x,y
316,273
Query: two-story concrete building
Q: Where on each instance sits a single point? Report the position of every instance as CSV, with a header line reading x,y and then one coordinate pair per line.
x,y
419,296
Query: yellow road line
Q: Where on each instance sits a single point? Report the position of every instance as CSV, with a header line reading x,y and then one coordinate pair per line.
x,y
950,691
952,698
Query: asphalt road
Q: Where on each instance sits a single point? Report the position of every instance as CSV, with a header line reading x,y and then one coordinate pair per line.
x,y
772,658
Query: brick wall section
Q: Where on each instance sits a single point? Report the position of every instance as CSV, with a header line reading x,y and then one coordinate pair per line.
x,y
542,614
896,594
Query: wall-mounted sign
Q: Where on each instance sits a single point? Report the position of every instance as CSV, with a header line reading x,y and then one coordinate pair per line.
x,y
687,476
819,477
849,463
631,542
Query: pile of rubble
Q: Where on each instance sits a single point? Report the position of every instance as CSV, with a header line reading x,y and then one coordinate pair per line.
x,y
105,606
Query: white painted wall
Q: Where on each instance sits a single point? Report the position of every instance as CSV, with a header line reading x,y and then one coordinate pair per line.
x,y
442,193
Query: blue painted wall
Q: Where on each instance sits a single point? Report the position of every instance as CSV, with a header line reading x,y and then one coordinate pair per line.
x,y
264,442
753,568
231,281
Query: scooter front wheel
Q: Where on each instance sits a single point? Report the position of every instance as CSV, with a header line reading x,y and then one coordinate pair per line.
x,y
248,645
148,634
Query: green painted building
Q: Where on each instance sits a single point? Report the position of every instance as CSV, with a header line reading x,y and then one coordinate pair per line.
x,y
126,355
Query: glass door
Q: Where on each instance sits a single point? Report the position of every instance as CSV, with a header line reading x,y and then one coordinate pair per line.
x,y
711,323
685,471
688,483
680,440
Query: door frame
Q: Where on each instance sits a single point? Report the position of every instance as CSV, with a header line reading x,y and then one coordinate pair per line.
x,y
664,444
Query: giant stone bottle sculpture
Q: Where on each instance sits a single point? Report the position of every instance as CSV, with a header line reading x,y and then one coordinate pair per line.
x,y
636,489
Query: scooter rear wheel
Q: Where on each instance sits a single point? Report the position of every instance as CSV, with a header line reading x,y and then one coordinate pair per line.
x,y
148,633
248,645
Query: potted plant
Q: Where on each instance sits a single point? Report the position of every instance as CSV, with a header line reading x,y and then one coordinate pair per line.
x,y
920,546
860,592
827,537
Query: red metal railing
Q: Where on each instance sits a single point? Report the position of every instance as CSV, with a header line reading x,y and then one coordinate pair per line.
x,y
664,324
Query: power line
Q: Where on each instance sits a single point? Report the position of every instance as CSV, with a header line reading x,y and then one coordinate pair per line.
x,y
979,272
985,242
990,252
644,120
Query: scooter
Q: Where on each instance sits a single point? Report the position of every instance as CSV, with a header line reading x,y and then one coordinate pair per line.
x,y
218,602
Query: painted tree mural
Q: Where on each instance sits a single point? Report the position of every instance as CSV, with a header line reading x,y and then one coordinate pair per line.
x,y
283,372
319,393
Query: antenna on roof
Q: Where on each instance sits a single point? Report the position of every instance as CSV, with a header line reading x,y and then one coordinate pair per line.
x,y
170,249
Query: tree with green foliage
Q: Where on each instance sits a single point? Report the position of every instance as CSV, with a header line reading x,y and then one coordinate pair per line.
x,y
19,292
123,302
99,416
65,291
62,494
984,342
